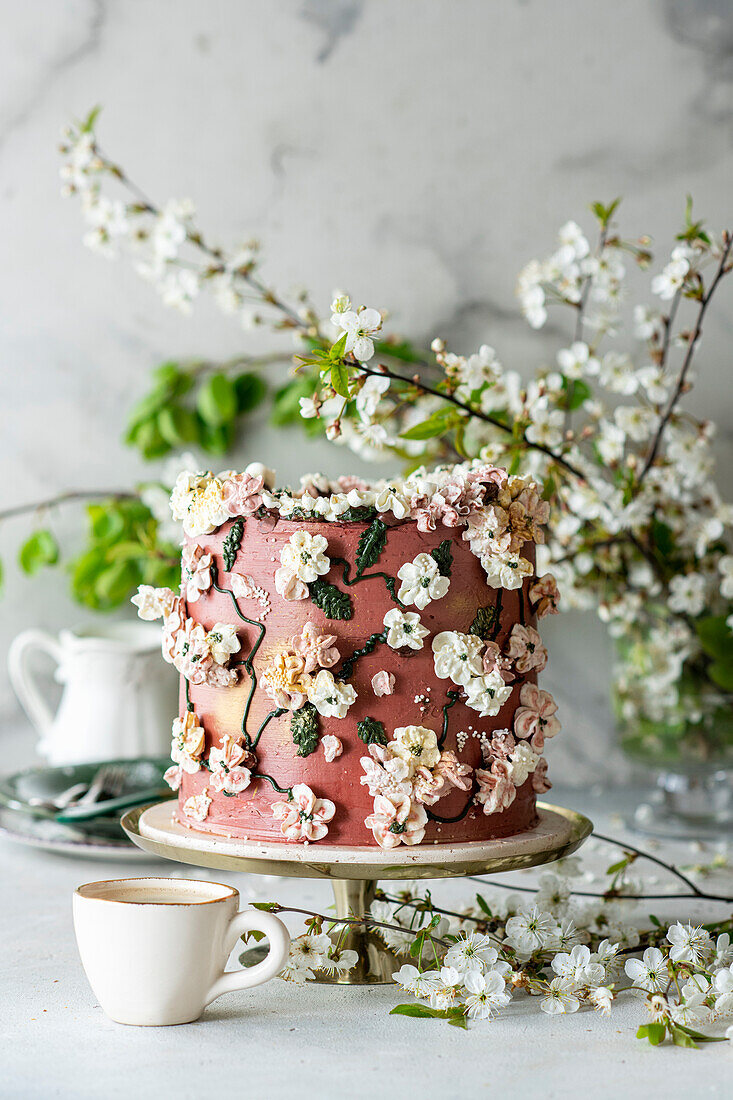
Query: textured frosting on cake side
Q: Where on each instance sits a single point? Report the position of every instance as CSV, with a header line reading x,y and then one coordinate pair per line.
x,y
354,676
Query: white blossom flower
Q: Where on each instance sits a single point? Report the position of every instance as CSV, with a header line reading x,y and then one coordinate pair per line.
x,y
404,629
522,763
560,998
331,698
673,275
529,930
420,983
340,964
370,395
650,972
486,993
446,988
725,565
307,954
636,421
578,967
688,593
690,944
359,328
601,998
577,360
197,500
546,426
421,581
723,989
472,951
610,441
617,374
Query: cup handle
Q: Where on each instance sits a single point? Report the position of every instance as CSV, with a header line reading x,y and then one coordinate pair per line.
x,y
253,920
22,679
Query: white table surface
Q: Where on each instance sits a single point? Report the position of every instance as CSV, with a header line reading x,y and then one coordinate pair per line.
x,y
319,1041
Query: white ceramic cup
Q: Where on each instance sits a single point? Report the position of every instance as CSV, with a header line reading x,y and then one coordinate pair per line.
x,y
154,949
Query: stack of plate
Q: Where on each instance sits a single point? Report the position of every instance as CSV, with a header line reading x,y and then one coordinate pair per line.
x,y
97,834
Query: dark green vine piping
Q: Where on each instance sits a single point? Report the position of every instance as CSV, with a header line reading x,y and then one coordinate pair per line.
x,y
453,697
268,717
497,622
456,817
280,790
390,582
189,704
520,590
347,668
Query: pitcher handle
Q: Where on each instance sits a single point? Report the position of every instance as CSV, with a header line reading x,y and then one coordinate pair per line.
x,y
23,680
253,920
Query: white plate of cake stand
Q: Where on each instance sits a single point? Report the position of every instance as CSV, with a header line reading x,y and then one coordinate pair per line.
x,y
354,872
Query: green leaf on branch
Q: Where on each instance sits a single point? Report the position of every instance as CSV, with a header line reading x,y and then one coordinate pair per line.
x,y
371,544
216,401
443,557
721,673
250,391
38,550
334,603
177,425
371,731
576,393
716,637
304,727
266,906
441,421
231,544
653,1032
605,213
340,378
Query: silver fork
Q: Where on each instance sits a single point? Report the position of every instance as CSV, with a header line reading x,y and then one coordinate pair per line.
x,y
109,780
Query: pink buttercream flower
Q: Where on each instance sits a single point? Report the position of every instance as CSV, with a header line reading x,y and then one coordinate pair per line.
x,y
242,494
502,744
535,719
332,747
544,596
525,649
172,623
383,683
191,653
396,820
304,817
173,776
316,649
487,475
347,482
197,806
537,511
540,782
431,784
244,586
384,771
228,755
453,772
495,661
496,790
196,571
231,780
290,586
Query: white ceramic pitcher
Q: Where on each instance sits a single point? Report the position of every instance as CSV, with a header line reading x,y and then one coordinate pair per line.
x,y
119,696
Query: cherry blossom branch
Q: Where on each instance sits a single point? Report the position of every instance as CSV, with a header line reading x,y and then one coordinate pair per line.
x,y
365,921
477,414
693,339
73,495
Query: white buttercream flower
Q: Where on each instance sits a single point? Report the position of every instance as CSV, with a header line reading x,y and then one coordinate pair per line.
x,y
457,656
197,806
332,747
304,556
197,500
222,642
522,763
404,629
417,746
330,697
153,603
383,683
487,693
421,581
506,570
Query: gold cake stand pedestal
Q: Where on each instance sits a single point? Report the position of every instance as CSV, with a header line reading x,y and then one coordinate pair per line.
x,y
354,872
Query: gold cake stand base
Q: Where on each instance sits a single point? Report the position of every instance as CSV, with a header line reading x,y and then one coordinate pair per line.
x,y
354,872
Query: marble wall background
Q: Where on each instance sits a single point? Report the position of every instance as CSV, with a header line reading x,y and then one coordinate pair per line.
x,y
417,153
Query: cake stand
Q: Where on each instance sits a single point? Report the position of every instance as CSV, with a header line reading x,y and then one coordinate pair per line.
x,y
354,872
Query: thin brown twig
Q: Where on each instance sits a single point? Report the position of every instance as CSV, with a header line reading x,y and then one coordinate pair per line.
x,y
65,498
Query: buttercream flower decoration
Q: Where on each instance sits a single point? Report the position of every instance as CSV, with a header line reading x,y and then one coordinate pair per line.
x,y
245,587
487,694
404,628
305,816
522,763
153,603
197,501
506,570
196,567
285,680
228,773
540,783
317,650
189,741
493,660
197,806
359,327
222,642
525,649
330,697
186,645
417,746
429,785
173,776
535,719
457,656
242,494
545,595
303,560
396,820
383,771
496,790
421,581
332,747
383,683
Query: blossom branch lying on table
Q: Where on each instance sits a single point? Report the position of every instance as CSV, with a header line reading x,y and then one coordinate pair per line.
x,y
468,965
